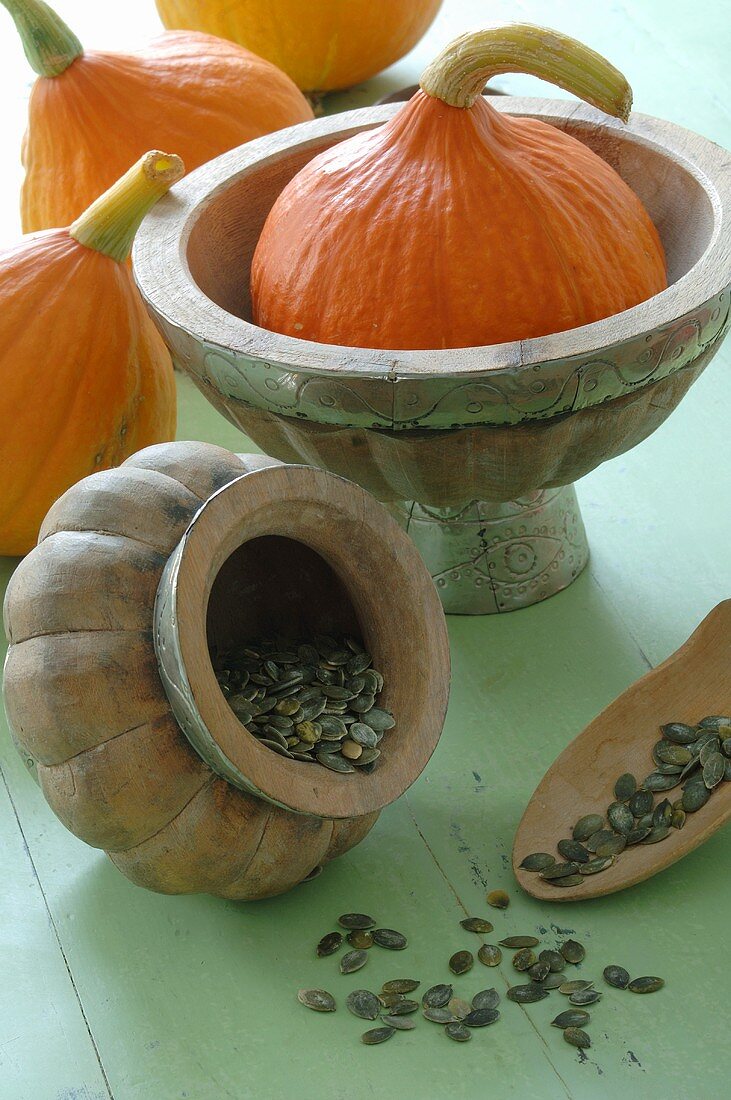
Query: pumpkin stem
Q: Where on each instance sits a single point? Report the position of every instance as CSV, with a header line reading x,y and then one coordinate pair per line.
x,y
48,43
110,223
458,75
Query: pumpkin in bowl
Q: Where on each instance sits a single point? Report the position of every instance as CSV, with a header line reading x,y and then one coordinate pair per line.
x,y
454,225
324,46
187,91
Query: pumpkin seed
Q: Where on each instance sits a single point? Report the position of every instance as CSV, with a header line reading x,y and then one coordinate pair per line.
x,y
695,797
459,1008
334,763
614,846
725,748
363,1003
439,1015
576,1037
555,960
398,1023
377,1035
714,768
539,971
602,836
389,938
538,861
665,752
380,720
404,1007
585,997
352,961
481,1017
713,721
498,899
356,921
388,1000
551,981
527,994
319,1000
620,818
641,803
679,733
329,944
573,851
437,996
662,814
711,747
458,1032
569,880
524,959
400,985
571,1017
616,976
625,787
573,951
363,735
576,986
477,924
486,998
595,866
656,834
559,870
489,955
519,941
461,962
587,825
677,821
360,938
656,781
645,985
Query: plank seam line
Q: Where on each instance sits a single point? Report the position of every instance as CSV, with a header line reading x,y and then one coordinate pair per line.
x,y
58,939
467,913
626,625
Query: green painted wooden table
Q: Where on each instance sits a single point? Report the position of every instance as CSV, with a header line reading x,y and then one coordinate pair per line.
x,y
108,991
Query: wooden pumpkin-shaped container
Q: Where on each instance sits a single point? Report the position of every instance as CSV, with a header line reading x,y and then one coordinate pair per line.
x,y
141,572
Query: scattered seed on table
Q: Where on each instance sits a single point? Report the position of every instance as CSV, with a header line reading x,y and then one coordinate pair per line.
x,y
576,1037
585,997
389,938
573,951
400,985
377,1035
555,959
437,996
388,1000
567,988
616,976
439,1015
486,998
498,899
537,861
404,1007
363,1003
458,1032
539,971
481,1017
551,981
352,961
489,955
399,1023
319,1000
461,962
459,1007
572,1017
476,924
329,944
360,938
519,941
645,985
356,920
527,994
524,959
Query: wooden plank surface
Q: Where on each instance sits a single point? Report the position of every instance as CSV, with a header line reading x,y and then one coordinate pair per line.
x,y
193,997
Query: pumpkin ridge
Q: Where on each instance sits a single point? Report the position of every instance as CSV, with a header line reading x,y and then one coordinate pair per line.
x,y
204,785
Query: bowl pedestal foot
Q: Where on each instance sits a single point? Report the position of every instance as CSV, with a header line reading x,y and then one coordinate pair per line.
x,y
487,558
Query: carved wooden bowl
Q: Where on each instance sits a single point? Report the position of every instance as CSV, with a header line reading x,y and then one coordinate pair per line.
x,y
486,440
110,690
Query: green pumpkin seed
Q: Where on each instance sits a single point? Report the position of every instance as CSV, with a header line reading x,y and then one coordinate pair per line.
x,y
400,985
726,746
573,951
367,756
461,962
498,899
576,1037
614,846
587,825
527,994
319,1000
695,797
356,921
519,941
389,938
437,996
329,944
524,959
439,1015
677,821
572,1017
616,976
662,814
352,961
363,735
625,787
666,752
641,803
714,768
377,1035
538,861
363,1003
334,763
713,721
585,997
573,851
638,834
645,985
655,781
656,834
595,866
360,938
477,924
380,720
398,1023
602,836
679,733
576,986
569,880
711,748
486,998
458,1032
481,1017
489,955
559,870
539,971
620,818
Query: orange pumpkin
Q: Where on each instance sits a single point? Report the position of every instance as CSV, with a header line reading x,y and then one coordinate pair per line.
x,y
191,92
85,378
324,45
454,225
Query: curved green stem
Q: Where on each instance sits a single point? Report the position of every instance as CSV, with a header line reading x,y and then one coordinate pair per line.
x,y
48,43
460,72
110,223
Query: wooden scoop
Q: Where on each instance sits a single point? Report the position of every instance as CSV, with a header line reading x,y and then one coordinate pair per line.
x,y
693,683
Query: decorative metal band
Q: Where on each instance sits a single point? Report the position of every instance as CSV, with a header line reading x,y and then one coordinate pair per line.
x,y
510,395
488,558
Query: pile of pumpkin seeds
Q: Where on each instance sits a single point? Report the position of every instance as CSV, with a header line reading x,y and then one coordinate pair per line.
x,y
312,701
695,758
395,1007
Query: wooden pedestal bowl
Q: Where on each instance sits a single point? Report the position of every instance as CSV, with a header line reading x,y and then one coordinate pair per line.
x,y
140,573
475,449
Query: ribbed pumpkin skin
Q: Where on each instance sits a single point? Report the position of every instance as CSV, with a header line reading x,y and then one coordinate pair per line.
x,y
193,93
451,228
323,46
85,378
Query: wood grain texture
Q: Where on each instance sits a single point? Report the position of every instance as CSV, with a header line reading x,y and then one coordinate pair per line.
x,y
692,683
